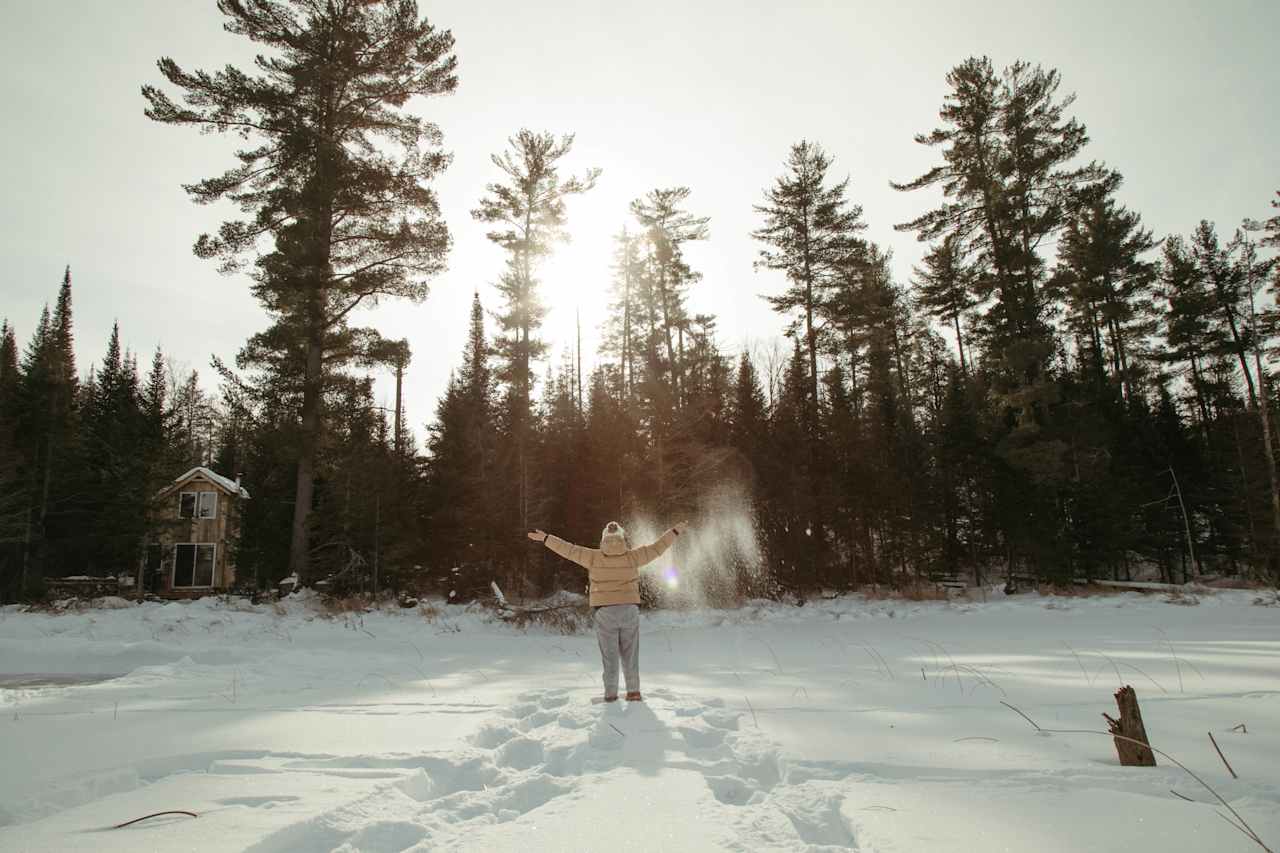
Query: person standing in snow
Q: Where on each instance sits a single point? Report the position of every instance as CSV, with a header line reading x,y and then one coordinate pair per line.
x,y
614,573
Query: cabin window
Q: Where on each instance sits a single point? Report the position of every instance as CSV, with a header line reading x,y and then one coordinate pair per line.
x,y
198,505
193,565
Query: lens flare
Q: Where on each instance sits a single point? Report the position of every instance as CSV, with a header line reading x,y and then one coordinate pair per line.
x,y
671,577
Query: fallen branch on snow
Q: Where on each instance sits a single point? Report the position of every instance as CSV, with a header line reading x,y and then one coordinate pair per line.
x,y
157,814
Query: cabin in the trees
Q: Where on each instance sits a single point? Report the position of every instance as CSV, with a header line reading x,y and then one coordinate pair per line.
x,y
199,521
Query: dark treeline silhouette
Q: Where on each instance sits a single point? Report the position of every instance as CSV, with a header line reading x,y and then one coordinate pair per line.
x,y
1054,394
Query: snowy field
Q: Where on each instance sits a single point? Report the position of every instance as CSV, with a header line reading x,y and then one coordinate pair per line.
x,y
848,724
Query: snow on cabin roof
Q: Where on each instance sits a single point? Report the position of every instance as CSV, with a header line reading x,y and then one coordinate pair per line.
x,y
217,479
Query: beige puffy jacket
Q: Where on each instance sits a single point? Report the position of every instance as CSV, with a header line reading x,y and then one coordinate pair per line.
x,y
613,570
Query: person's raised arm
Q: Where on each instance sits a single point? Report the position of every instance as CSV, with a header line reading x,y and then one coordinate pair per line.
x,y
574,553
648,553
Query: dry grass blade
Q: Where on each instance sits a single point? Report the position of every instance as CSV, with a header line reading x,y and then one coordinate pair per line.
x,y
1214,741
381,675
876,661
776,662
1079,663
1242,825
1024,716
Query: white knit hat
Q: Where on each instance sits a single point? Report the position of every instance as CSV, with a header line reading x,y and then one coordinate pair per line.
x,y
613,539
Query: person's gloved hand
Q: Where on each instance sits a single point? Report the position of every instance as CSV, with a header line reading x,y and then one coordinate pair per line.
x,y
537,535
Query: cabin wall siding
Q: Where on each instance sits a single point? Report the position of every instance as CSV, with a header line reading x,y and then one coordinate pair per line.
x,y
221,530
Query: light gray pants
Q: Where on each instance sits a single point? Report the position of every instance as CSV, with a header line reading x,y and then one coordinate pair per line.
x,y
618,630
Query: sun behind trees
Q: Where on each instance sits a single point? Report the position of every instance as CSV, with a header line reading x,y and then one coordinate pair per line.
x,y
529,213
1057,393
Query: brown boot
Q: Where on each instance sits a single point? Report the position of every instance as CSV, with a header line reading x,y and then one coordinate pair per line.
x,y
634,696
613,698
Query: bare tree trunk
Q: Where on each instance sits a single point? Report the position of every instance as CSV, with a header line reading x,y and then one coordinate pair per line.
x,y
26,555
300,542
628,369
44,516
1264,411
964,368
399,410
1186,525
666,326
1244,485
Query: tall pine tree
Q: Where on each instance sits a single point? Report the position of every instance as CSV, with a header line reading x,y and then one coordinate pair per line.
x,y
528,211
338,175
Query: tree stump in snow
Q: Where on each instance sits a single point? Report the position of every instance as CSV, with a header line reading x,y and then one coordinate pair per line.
x,y
1131,736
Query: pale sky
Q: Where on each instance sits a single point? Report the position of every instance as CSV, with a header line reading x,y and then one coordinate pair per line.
x,y
1178,96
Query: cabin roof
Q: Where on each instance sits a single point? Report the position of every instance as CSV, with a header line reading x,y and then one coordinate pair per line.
x,y
231,487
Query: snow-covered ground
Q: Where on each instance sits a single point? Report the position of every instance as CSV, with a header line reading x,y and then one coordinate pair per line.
x,y
847,724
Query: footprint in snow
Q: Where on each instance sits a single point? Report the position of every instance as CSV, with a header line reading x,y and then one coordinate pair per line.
x,y
549,742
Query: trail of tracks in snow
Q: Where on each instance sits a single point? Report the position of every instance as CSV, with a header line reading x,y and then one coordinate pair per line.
x,y
547,746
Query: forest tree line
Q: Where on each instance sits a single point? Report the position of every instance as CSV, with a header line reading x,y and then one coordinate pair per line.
x,y
1053,392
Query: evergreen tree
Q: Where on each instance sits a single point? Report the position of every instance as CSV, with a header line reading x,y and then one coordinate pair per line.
x,y
668,226
1191,339
1224,278
339,178
114,463
845,482
47,432
528,212
748,413
1108,284
195,423
626,320
8,362
1008,185
462,471
811,233
156,418
14,500
558,462
789,493
945,287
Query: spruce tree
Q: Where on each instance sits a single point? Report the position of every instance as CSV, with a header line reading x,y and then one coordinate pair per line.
x,y
114,468
47,432
748,413
338,175
790,493
462,471
14,500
